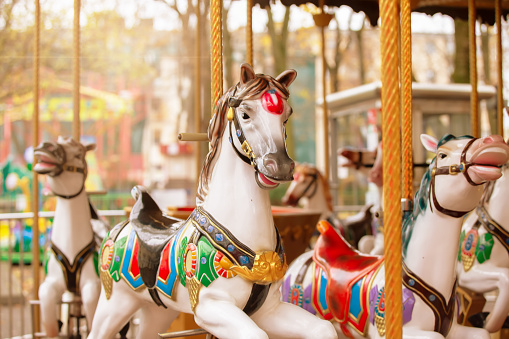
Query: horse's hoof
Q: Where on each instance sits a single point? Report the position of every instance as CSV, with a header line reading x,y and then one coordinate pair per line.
x,y
478,319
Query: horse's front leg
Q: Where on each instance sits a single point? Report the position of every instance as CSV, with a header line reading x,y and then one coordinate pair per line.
x,y
485,278
50,295
90,288
284,320
219,311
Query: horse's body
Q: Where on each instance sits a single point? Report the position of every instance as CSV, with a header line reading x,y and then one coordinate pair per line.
x,y
484,250
311,190
225,263
341,284
70,260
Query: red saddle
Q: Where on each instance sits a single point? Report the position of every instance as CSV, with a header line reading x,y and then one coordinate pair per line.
x,y
343,265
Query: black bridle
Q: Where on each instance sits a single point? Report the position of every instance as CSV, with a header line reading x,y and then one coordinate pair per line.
x,y
314,178
452,170
69,168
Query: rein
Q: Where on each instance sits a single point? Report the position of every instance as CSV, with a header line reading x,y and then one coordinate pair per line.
x,y
451,170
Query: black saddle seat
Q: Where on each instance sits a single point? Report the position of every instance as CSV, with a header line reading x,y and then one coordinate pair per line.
x,y
154,229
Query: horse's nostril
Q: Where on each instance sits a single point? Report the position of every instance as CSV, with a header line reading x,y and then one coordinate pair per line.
x,y
270,164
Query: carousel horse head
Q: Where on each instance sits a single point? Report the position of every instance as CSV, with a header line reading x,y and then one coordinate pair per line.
x,y
252,116
65,165
306,181
461,168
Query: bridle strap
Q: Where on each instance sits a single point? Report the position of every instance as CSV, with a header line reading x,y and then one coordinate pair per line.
x,y
74,169
314,177
233,103
451,170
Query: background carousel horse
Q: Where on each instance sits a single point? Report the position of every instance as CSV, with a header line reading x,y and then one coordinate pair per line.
x,y
73,249
371,163
484,251
225,263
341,284
311,190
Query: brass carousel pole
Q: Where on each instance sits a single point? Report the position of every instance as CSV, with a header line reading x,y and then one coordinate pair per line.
x,y
474,97
391,138
406,94
76,72
500,82
35,181
197,108
216,38
322,20
249,33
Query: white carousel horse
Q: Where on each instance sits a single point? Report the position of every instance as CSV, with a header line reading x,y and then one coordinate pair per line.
x,y
484,250
225,263
73,250
341,284
310,189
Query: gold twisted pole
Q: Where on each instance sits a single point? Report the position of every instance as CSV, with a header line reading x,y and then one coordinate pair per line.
x,y
391,137
197,98
216,38
76,72
500,82
474,101
249,33
35,181
406,93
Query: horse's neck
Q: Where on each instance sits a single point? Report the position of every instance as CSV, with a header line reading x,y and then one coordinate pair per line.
x,y
433,249
497,204
71,229
235,200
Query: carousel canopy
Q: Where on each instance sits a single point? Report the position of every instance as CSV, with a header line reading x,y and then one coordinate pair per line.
x,y
453,8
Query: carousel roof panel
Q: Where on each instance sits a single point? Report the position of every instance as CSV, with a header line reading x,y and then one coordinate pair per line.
x,y
453,8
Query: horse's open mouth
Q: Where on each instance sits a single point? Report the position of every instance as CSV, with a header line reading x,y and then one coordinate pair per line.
x,y
265,182
46,163
487,162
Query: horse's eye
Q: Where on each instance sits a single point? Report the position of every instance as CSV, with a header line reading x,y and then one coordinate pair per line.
x,y
442,155
245,116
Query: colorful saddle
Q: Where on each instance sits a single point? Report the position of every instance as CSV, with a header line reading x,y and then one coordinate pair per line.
x,y
344,267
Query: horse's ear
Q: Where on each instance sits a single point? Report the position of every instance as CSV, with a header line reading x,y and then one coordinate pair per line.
x,y
286,78
430,143
90,147
246,73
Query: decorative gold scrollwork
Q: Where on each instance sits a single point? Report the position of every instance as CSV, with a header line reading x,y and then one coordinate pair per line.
x,y
267,268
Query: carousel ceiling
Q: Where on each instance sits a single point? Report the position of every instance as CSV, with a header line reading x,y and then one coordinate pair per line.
x,y
453,8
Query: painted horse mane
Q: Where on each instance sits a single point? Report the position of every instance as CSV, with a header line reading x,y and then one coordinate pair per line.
x,y
218,123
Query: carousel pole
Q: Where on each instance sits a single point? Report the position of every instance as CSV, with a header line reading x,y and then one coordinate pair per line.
x,y
406,93
322,20
216,38
197,108
500,82
249,33
76,72
35,181
474,98
391,138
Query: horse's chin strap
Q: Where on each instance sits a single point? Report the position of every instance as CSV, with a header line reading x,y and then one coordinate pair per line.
x,y
69,168
451,170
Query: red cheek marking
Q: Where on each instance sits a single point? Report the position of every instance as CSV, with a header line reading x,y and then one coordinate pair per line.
x,y
272,102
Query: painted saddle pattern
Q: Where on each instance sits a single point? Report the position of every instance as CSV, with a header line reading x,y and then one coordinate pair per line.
x,y
344,286
194,252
